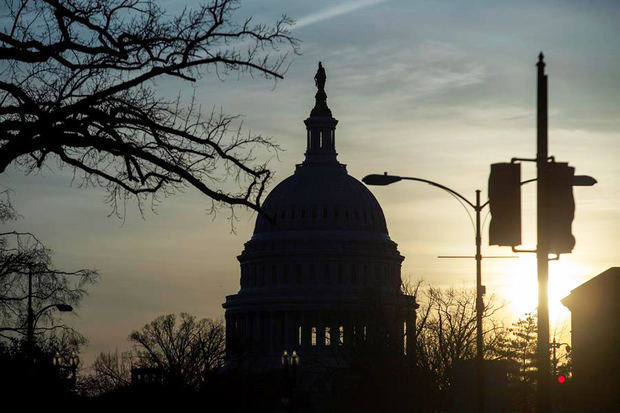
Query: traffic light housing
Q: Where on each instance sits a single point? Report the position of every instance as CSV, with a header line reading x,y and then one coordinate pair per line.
x,y
505,204
558,206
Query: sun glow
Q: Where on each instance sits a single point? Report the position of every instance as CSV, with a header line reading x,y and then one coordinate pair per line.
x,y
521,287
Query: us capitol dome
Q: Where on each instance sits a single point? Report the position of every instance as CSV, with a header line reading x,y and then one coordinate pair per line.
x,y
320,272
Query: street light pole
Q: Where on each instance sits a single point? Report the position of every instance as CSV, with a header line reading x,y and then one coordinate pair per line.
x,y
386,179
554,359
32,318
542,248
479,309
543,398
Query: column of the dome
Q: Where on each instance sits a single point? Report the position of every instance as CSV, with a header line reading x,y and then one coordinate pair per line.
x,y
281,333
320,332
336,322
265,332
229,335
312,325
275,325
239,330
308,323
288,342
247,339
298,336
348,329
244,329
275,334
268,333
286,331
410,326
259,332
272,333
305,331
253,332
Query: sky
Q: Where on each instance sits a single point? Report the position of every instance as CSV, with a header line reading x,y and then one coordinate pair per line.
x,y
429,89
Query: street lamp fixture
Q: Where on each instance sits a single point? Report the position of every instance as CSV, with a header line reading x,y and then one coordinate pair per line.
x,y
583,180
33,317
385,179
293,359
72,363
554,358
63,307
74,360
57,361
290,360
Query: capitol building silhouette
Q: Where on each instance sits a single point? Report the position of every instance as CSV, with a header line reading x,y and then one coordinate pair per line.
x,y
320,275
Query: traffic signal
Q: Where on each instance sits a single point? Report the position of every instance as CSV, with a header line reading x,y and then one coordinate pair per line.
x,y
505,204
558,206
561,379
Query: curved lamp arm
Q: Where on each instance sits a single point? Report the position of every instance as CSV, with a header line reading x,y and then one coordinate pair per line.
x,y
386,179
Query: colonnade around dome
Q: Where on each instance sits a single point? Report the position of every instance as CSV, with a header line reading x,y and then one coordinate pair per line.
x,y
259,336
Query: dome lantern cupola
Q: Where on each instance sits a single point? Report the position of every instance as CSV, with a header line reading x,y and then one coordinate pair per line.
x,y
321,126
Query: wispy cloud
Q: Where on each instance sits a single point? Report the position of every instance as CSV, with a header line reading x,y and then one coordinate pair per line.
x,y
334,11
400,72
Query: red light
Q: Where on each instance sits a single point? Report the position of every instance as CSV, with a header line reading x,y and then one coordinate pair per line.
x,y
561,379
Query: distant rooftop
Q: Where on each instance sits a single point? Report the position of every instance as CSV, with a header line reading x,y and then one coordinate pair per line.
x,y
605,286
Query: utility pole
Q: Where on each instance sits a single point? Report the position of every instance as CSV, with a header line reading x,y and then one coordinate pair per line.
x,y
479,310
555,208
30,321
543,400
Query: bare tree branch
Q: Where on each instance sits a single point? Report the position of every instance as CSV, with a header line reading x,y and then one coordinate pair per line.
x,y
78,87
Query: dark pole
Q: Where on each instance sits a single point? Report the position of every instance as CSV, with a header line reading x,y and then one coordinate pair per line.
x,y
30,321
554,345
542,248
479,309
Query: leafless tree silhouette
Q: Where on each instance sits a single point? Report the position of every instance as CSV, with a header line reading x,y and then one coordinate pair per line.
x,y
186,351
109,371
446,330
23,256
77,86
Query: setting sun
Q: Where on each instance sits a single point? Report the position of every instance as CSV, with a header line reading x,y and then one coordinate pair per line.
x,y
521,287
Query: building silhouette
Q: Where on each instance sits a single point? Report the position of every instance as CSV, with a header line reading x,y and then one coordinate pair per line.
x,y
595,336
320,272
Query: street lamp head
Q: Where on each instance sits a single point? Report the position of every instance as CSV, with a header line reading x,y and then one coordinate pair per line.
x,y
64,307
74,360
376,179
57,360
583,180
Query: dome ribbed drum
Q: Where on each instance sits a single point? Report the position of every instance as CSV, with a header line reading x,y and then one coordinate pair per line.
x,y
321,198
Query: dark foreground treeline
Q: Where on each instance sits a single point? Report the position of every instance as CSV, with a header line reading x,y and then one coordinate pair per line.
x,y
182,361
391,386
